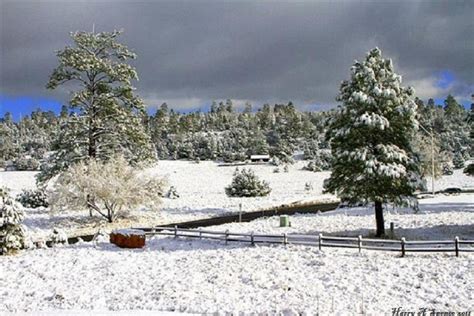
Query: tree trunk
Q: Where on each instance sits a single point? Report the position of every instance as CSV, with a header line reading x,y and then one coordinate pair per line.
x,y
379,219
89,202
92,150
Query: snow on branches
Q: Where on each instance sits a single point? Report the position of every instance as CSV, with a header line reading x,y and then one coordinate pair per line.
x,y
108,188
371,135
246,184
12,233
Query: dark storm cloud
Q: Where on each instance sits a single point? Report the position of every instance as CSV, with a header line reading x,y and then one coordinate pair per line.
x,y
193,52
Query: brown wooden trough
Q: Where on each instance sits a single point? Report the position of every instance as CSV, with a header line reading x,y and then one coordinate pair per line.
x,y
128,238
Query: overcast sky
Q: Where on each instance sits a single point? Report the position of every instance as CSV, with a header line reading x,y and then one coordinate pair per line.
x,y
192,52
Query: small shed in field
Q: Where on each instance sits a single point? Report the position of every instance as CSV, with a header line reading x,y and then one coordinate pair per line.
x,y
259,158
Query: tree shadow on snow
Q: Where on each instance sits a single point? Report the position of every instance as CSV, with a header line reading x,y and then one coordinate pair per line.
x,y
424,209
437,232
194,211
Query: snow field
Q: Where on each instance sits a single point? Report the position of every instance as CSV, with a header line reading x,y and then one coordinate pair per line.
x,y
210,277
194,276
443,217
201,189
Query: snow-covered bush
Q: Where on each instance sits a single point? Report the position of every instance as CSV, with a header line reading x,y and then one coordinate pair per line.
x,y
275,161
469,170
109,188
26,163
311,166
285,158
33,198
286,169
230,156
320,162
58,236
458,161
448,168
276,170
172,193
246,184
308,186
12,233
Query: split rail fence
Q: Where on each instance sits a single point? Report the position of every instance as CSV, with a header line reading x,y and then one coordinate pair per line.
x,y
403,246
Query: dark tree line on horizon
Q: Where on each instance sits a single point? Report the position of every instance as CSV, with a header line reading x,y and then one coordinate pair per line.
x,y
225,134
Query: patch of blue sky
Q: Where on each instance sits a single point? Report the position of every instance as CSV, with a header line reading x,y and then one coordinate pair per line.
x,y
20,106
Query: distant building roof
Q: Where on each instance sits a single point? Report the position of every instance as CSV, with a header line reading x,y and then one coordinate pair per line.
x,y
259,156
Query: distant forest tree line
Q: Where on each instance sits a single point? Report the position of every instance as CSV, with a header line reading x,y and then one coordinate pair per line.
x,y
224,134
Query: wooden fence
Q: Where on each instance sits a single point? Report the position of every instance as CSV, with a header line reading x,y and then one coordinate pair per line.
x,y
403,246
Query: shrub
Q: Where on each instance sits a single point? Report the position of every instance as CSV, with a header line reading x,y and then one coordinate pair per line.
x,y
275,161
469,170
246,184
58,236
458,161
109,188
26,164
33,198
311,166
448,168
172,193
320,162
12,233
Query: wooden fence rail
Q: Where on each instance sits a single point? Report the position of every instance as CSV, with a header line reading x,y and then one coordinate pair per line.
x,y
403,246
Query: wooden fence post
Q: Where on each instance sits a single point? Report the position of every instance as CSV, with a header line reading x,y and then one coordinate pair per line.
x,y
285,239
200,233
456,245
359,243
240,212
320,241
402,241
175,231
252,241
226,236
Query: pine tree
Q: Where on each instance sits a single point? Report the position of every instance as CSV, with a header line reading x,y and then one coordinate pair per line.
x,y
245,183
109,116
453,109
371,137
12,233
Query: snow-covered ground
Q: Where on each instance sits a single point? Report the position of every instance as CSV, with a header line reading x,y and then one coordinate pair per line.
x,y
442,217
200,276
210,277
201,190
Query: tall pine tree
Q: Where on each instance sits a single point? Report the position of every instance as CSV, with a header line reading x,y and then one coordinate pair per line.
x,y
108,115
371,136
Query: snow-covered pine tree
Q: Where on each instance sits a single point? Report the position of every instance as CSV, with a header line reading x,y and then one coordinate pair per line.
x,y
371,136
9,139
458,161
245,183
12,233
109,115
